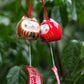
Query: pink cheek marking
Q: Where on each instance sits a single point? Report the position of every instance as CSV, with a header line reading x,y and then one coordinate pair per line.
x,y
46,30
25,25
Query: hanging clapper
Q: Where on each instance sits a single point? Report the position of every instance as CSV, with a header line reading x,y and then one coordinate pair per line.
x,y
54,68
33,74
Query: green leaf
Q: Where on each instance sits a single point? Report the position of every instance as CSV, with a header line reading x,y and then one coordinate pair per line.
x,y
79,74
82,51
49,5
17,75
5,3
71,55
79,6
79,35
79,78
40,11
55,14
74,9
4,20
81,18
71,8
4,32
68,1
11,6
18,12
0,59
64,15
58,2
60,15
27,5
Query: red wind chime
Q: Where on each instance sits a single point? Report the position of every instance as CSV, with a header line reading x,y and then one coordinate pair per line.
x,y
50,31
29,29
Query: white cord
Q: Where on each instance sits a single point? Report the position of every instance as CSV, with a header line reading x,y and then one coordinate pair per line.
x,y
29,52
52,54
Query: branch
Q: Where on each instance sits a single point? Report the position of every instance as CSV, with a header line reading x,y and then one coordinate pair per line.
x,y
62,71
70,80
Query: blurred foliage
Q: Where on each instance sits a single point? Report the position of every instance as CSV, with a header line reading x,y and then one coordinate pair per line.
x,y
14,51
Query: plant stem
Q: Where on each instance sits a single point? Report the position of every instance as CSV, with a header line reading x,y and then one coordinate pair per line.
x,y
58,54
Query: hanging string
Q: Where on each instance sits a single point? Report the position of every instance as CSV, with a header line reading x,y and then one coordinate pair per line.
x,y
47,18
52,55
54,67
29,15
29,52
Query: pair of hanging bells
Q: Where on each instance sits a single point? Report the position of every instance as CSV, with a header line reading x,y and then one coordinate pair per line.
x,y
29,28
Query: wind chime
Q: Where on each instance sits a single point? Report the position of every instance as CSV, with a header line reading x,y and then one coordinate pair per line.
x,y
29,29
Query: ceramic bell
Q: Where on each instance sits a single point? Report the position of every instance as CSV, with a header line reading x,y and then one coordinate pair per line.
x,y
50,31
28,28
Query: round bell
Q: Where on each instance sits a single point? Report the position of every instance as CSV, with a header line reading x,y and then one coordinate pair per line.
x,y
50,31
28,28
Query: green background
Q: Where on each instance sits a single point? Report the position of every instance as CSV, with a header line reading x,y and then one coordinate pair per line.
x,y
68,52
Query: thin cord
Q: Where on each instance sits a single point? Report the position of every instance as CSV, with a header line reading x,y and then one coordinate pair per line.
x,y
29,15
30,54
44,10
30,62
52,54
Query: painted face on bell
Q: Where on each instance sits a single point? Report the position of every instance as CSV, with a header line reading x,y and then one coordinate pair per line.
x,y
30,25
44,28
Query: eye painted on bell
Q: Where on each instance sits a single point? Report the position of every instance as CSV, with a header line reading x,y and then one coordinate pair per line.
x,y
44,28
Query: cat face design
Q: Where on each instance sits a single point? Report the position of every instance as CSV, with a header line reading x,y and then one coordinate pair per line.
x,y
44,28
30,25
